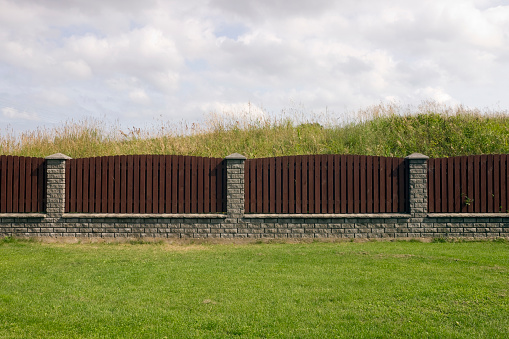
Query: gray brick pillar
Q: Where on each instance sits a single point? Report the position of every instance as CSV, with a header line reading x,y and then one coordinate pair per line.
x,y
418,185
55,185
235,186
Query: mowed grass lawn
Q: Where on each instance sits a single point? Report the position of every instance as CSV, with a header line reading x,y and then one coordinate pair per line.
x,y
264,290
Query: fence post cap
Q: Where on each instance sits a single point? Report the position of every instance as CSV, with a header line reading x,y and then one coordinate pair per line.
x,y
236,156
417,156
58,156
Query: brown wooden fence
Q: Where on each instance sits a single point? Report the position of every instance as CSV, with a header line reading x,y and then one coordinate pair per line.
x,y
22,184
474,184
325,184
145,184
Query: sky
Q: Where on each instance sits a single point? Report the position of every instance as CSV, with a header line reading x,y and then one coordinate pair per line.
x,y
139,62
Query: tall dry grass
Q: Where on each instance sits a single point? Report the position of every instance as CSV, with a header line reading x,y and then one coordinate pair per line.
x,y
385,130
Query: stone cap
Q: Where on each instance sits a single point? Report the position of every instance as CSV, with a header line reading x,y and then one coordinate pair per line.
x,y
58,156
236,156
417,156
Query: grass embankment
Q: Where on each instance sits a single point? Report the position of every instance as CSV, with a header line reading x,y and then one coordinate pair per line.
x,y
384,130
313,290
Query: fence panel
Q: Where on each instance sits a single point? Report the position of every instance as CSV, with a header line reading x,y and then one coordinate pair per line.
x,y
468,184
145,184
22,184
325,184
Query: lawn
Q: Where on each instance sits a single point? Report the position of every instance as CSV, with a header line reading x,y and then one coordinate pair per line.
x,y
255,290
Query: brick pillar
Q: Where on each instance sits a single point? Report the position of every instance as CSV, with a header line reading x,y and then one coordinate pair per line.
x,y
235,186
55,185
418,185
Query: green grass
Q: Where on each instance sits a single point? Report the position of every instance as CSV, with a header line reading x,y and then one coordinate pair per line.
x,y
304,290
384,130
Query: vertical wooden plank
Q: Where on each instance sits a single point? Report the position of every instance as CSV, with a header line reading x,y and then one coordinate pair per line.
x,y
346,184
28,186
188,184
497,207
136,184
476,194
78,195
41,183
194,185
10,164
505,187
252,194
382,186
450,185
149,191
181,184
285,177
110,164
123,184
489,185
98,186
457,184
161,182
376,184
431,185
443,180
116,184
220,186
394,179
337,180
266,185
483,180
130,183
438,185
356,184
104,184
298,184
363,176
206,185
463,183
323,205
279,199
22,181
258,169
3,184
175,184
155,183
168,184
330,185
318,184
470,185
86,184
15,184
402,199
199,164
311,184
369,184
91,185
304,173
272,185
213,181
503,183
388,182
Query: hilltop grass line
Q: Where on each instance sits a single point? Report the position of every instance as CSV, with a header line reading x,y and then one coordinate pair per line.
x,y
384,130
278,290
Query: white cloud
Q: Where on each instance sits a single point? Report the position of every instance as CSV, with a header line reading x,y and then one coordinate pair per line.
x,y
13,113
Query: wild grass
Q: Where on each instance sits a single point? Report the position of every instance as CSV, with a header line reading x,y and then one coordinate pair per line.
x,y
384,130
278,290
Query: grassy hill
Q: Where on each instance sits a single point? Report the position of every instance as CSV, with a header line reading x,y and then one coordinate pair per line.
x,y
384,130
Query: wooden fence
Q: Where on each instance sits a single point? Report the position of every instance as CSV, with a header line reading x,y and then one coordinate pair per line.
x,y
469,184
325,184
145,184
22,184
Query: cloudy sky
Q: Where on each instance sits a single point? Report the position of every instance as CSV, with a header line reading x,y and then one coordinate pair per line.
x,y
139,61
